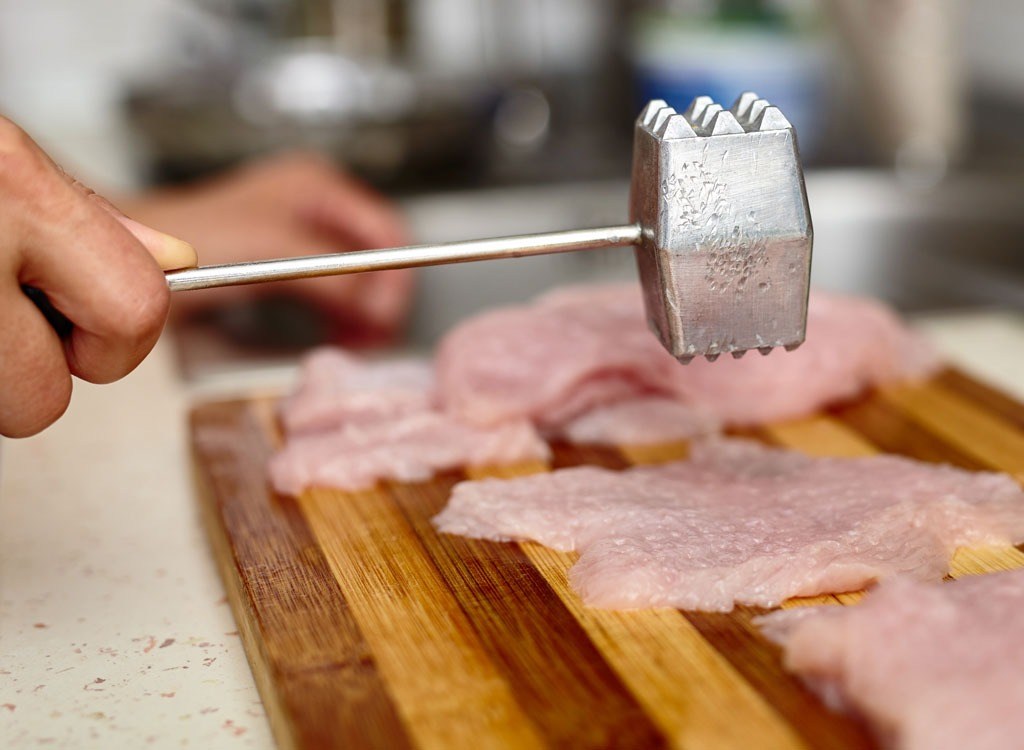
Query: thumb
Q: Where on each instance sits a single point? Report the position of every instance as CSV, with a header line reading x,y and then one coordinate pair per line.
x,y
170,252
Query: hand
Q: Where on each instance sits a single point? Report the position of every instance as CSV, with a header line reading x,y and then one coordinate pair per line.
x,y
98,268
283,206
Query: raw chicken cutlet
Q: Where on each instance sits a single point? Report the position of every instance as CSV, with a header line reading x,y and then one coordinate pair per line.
x,y
351,423
576,349
645,420
554,359
336,388
408,448
743,523
931,666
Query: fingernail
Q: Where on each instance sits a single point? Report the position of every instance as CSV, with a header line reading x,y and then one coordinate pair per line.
x,y
170,252
177,254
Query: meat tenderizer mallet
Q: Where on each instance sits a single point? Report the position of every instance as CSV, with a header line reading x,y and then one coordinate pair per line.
x,y
718,216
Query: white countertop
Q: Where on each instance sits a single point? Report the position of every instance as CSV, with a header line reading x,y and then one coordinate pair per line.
x,y
114,629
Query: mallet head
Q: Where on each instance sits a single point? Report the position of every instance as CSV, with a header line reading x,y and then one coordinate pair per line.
x,y
725,257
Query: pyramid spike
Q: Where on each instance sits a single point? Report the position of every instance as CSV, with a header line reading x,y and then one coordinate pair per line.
x,y
709,115
660,118
772,119
648,112
675,128
755,111
724,124
696,109
741,107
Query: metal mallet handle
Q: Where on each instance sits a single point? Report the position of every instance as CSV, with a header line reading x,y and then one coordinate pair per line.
x,y
234,274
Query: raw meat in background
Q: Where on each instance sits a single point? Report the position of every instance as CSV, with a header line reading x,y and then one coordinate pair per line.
x,y
552,360
579,348
578,364
335,388
351,423
853,345
645,420
407,448
931,666
742,523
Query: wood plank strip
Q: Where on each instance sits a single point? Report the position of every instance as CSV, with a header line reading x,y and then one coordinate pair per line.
x,y
564,455
656,454
694,694
969,562
448,691
760,664
821,436
893,431
985,396
314,671
554,671
985,437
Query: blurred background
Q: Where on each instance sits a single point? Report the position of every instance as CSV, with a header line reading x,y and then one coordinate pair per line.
x,y
490,117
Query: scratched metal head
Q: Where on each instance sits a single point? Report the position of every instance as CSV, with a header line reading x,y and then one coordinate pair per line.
x,y
725,257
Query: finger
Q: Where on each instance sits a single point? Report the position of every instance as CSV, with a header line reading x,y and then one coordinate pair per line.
x,y
95,272
170,252
36,383
351,211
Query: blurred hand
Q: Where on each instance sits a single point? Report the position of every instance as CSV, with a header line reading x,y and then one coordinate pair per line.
x,y
282,206
98,268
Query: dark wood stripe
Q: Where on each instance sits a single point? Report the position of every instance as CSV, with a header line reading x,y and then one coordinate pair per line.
x,y
760,434
565,455
555,672
315,671
988,398
760,663
893,431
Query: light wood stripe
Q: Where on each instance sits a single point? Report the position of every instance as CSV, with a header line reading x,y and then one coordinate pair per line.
x,y
893,431
655,454
448,692
534,641
821,436
984,396
982,435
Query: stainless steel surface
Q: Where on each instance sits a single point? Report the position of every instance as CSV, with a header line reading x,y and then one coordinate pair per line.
x,y
283,269
725,260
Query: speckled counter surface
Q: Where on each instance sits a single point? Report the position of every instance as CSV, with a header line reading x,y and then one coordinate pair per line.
x,y
114,629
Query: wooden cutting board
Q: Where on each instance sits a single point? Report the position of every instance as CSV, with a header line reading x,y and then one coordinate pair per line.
x,y
365,628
